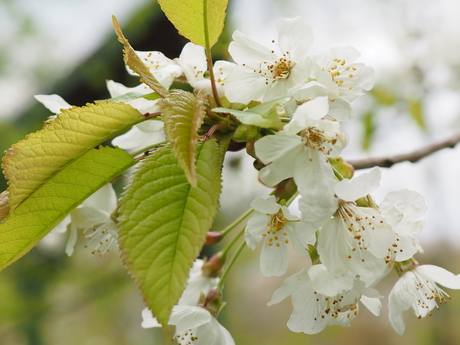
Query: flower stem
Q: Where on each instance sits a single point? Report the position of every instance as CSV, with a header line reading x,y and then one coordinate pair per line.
x,y
232,261
236,222
211,77
146,150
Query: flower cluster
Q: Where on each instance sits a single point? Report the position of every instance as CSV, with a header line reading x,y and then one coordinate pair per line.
x,y
353,241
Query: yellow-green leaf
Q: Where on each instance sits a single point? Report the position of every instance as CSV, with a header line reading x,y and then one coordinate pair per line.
x,y
52,201
134,62
164,221
201,21
31,162
183,115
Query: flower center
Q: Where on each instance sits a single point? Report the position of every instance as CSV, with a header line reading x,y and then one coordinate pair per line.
x,y
276,225
316,139
342,74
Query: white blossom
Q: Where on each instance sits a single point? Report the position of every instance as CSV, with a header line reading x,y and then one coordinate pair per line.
x,y
406,207
278,227
197,326
164,69
417,289
268,73
357,239
337,70
313,310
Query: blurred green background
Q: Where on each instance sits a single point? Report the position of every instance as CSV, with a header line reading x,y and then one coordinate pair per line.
x,y
48,298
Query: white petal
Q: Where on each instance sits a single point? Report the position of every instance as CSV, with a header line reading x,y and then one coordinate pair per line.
x,y
265,205
247,51
410,203
273,147
257,225
372,303
185,317
274,260
243,85
351,190
314,109
326,283
148,321
105,199
295,37
53,103
441,276
71,241
301,236
193,62
150,126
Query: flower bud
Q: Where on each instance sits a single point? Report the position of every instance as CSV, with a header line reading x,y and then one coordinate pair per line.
x,y
213,266
212,237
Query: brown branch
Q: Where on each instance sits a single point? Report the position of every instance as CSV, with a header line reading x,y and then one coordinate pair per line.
x,y
413,157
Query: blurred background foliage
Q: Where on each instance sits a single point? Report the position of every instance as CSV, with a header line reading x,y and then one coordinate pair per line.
x,y
47,298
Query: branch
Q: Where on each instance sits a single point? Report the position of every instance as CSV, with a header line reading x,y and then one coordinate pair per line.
x,y
413,157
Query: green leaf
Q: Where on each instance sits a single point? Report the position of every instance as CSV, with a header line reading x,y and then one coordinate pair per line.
x,y
416,112
384,95
31,162
201,21
129,96
134,62
53,200
183,115
263,115
164,221
369,129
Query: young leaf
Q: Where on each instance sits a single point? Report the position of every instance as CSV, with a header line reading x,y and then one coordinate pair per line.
x,y
263,115
183,115
164,221
134,62
31,162
58,196
201,21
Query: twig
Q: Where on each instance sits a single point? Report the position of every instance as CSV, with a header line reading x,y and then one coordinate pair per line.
x,y
413,157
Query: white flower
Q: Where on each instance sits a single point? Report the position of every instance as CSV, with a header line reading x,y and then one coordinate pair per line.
x,y
194,65
53,103
266,73
406,207
163,68
94,217
196,326
140,136
417,289
339,109
146,133
337,70
313,310
274,223
357,239
304,156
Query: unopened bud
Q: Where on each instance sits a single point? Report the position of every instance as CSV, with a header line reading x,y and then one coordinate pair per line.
x,y
213,302
213,266
345,169
212,237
